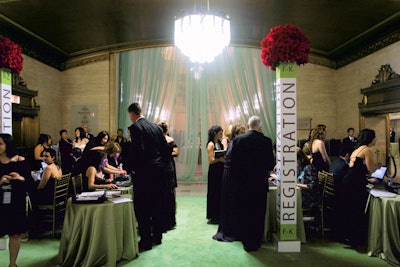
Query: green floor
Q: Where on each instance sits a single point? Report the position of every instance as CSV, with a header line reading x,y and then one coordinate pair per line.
x,y
190,244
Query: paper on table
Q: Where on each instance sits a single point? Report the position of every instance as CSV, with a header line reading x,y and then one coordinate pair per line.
x,y
113,193
92,194
382,193
120,200
80,198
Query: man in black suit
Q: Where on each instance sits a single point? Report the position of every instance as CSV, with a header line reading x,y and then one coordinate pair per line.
x,y
339,168
251,161
149,154
349,142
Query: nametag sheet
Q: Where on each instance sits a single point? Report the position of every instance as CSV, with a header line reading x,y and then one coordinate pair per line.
x,y
382,193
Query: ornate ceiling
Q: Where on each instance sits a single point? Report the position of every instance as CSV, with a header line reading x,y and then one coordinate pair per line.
x,y
64,33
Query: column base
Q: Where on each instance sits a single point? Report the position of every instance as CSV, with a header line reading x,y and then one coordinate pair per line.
x,y
285,245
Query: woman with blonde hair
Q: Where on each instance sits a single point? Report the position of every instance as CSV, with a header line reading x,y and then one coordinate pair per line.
x,y
320,158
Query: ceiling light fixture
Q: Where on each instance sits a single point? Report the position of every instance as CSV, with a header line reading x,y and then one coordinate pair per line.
x,y
203,35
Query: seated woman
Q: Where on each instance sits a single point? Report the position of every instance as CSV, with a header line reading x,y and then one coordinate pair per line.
x,y
92,174
43,142
45,188
307,181
113,150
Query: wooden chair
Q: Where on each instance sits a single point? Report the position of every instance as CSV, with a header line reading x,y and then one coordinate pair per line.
x,y
50,213
327,182
77,184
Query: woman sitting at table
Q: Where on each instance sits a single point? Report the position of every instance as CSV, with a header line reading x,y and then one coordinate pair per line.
x,y
43,142
307,181
45,188
112,168
92,174
362,162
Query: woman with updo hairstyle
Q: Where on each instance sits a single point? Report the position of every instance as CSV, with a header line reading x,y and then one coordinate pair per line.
x,y
215,174
362,163
320,158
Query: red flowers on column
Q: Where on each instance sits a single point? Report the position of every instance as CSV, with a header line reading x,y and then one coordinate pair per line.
x,y
284,44
10,55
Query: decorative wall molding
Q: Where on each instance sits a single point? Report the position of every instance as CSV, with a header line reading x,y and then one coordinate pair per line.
x,y
61,63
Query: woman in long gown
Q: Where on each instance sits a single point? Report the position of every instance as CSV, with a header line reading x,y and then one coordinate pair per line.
x,y
215,174
171,182
362,162
228,226
320,158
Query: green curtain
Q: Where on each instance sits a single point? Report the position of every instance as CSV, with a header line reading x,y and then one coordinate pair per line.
x,y
193,97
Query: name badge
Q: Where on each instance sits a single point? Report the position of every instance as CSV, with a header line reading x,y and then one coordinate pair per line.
x,y
6,197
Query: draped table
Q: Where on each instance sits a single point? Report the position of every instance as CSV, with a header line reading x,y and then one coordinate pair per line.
x,y
384,228
271,223
98,234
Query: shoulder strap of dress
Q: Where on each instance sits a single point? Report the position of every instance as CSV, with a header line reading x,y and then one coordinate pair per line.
x,y
361,150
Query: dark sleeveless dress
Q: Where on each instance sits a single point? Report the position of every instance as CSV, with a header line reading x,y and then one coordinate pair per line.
x,y
354,183
214,188
45,196
228,229
13,215
319,163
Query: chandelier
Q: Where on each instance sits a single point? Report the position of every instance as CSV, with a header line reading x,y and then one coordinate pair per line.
x,y
203,35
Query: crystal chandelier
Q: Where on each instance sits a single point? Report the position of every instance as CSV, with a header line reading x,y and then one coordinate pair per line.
x,y
203,35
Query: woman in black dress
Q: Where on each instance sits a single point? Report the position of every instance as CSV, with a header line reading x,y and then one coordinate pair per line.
x,y
228,229
14,170
362,162
320,158
171,182
215,174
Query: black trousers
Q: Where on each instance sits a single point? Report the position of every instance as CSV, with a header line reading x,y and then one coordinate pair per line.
x,y
147,201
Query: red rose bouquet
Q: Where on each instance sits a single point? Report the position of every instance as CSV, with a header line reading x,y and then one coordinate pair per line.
x,y
10,55
284,44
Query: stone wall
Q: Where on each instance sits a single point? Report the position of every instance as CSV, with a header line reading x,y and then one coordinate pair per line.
x,y
325,95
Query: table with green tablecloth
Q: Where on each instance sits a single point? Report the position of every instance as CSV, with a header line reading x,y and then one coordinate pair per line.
x,y
384,228
271,223
98,234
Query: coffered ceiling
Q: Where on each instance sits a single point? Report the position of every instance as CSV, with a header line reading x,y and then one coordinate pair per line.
x,y
58,32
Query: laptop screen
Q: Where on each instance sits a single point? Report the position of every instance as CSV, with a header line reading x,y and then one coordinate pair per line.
x,y
379,173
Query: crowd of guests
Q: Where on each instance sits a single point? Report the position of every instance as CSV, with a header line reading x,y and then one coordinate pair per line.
x,y
240,162
147,155
351,172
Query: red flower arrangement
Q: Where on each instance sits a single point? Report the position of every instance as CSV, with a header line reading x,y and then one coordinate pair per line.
x,y
10,55
284,44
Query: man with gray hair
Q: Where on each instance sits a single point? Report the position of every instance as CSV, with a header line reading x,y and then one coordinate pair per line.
x,y
251,161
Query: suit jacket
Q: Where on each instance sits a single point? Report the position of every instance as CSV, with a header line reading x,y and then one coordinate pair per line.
x,y
251,160
348,145
149,147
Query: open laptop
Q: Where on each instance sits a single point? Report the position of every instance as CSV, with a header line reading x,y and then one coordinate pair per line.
x,y
379,173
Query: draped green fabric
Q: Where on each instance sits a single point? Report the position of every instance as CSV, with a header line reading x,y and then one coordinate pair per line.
x,y
192,97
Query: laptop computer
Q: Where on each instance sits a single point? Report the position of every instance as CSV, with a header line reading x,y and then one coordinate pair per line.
x,y
379,173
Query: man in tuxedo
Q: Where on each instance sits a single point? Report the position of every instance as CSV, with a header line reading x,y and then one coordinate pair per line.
x,y
349,142
87,133
251,161
149,154
392,135
339,168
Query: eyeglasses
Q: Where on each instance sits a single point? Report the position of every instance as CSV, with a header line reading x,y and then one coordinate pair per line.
x,y
46,156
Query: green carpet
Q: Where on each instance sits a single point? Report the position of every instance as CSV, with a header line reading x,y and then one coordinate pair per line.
x,y
191,244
